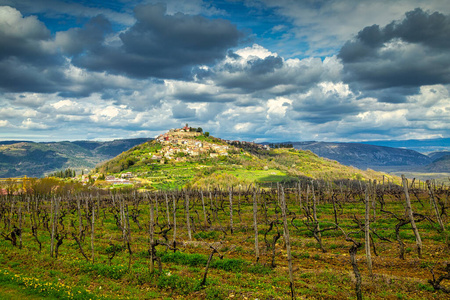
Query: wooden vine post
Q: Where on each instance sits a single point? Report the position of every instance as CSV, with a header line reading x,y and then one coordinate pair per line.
x,y
80,220
287,240
188,217
128,237
367,230
204,209
230,191
174,241
92,229
316,221
411,217
436,209
151,232
167,209
52,216
255,223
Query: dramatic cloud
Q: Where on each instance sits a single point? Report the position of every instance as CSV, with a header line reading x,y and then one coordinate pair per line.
x,y
77,40
31,62
258,70
26,54
161,45
255,69
403,55
325,25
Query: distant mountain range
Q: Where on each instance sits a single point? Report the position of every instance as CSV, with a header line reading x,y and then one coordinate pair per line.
x,y
365,156
440,165
19,158
422,146
436,155
389,156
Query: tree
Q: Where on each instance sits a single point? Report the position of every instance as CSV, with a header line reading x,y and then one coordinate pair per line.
x,y
206,133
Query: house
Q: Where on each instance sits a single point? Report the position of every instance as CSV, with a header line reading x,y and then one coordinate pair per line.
x,y
119,181
194,152
127,175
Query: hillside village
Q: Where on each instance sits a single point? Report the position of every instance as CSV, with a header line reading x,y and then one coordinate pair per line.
x,y
176,145
181,142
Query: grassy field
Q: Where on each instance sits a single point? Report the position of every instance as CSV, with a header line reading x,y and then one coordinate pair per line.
x,y
111,270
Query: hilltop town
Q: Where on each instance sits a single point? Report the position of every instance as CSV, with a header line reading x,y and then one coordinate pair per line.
x,y
187,141
179,143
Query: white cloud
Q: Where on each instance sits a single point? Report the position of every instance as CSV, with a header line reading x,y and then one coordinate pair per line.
x,y
243,127
256,50
13,24
5,124
63,103
30,124
277,107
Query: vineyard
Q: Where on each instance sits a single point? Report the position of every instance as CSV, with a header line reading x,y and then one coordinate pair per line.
x,y
309,240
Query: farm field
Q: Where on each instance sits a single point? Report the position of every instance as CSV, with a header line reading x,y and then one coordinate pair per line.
x,y
200,244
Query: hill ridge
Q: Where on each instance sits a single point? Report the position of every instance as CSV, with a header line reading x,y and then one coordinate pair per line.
x,y
180,158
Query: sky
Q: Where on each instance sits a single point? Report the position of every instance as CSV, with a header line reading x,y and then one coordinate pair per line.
x,y
254,70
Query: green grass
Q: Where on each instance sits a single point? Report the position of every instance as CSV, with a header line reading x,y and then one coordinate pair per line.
x,y
49,290
259,175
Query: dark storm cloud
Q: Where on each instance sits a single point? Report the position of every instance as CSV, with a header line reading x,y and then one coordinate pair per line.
x,y
30,60
27,62
419,27
161,45
406,54
396,94
18,76
76,40
266,65
193,96
255,74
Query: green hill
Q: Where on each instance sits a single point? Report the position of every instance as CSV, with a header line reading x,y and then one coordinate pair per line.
x,y
38,159
179,159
